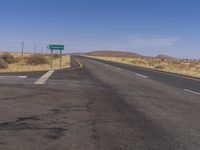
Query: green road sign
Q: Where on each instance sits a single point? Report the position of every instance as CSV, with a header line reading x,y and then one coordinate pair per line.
x,y
56,47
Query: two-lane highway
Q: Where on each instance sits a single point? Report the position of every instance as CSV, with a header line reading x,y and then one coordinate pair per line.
x,y
101,106
188,83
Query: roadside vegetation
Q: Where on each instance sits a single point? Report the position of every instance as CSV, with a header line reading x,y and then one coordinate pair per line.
x,y
183,67
37,60
3,64
8,58
14,62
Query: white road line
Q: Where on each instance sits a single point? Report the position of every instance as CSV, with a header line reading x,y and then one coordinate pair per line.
x,y
22,77
192,91
44,78
137,74
141,75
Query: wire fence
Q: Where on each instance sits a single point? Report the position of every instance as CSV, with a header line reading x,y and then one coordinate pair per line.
x,y
24,47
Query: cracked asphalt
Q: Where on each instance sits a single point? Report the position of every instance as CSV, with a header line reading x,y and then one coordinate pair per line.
x,y
97,107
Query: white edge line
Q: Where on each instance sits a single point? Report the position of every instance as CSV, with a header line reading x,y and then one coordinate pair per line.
x,y
13,77
22,77
192,91
140,75
45,77
137,74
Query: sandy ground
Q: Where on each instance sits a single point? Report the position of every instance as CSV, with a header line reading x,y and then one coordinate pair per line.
x,y
173,66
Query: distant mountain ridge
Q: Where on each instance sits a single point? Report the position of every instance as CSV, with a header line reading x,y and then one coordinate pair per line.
x,y
165,57
113,53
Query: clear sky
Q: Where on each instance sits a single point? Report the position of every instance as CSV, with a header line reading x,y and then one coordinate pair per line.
x,y
148,27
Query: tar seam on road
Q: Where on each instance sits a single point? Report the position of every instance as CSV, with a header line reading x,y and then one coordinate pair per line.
x,y
45,77
192,91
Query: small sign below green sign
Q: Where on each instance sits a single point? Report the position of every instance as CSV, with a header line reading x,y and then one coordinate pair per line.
x,y
56,47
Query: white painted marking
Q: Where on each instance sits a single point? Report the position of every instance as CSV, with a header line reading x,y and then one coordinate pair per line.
x,y
137,74
141,75
22,77
117,68
45,77
192,91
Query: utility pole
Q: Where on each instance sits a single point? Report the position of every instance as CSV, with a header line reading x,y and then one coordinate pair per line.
x,y
22,48
35,49
42,50
60,58
47,51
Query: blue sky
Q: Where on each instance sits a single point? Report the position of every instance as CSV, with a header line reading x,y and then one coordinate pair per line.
x,y
148,27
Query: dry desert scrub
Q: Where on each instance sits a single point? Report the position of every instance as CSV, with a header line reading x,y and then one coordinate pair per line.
x,y
37,60
8,58
3,64
35,63
191,68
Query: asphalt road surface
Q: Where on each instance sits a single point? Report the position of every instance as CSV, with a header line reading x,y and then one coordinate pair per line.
x,y
101,106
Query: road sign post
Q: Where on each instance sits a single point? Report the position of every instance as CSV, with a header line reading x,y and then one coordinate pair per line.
x,y
22,49
51,59
60,58
56,48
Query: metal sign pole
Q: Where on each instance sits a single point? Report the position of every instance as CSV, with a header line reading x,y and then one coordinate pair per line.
x,y
51,58
60,58
22,49
55,48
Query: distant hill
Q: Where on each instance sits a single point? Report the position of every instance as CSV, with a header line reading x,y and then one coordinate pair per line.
x,y
113,53
77,53
165,57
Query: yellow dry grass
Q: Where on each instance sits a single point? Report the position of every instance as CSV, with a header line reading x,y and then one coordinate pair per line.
x,y
66,60
22,66
173,66
15,54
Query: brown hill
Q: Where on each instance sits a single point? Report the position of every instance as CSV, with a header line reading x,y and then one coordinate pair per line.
x,y
165,57
113,54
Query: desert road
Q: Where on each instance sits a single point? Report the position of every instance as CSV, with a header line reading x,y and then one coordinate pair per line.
x,y
99,105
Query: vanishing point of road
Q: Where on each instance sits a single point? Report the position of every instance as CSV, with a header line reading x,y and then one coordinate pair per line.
x,y
99,105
